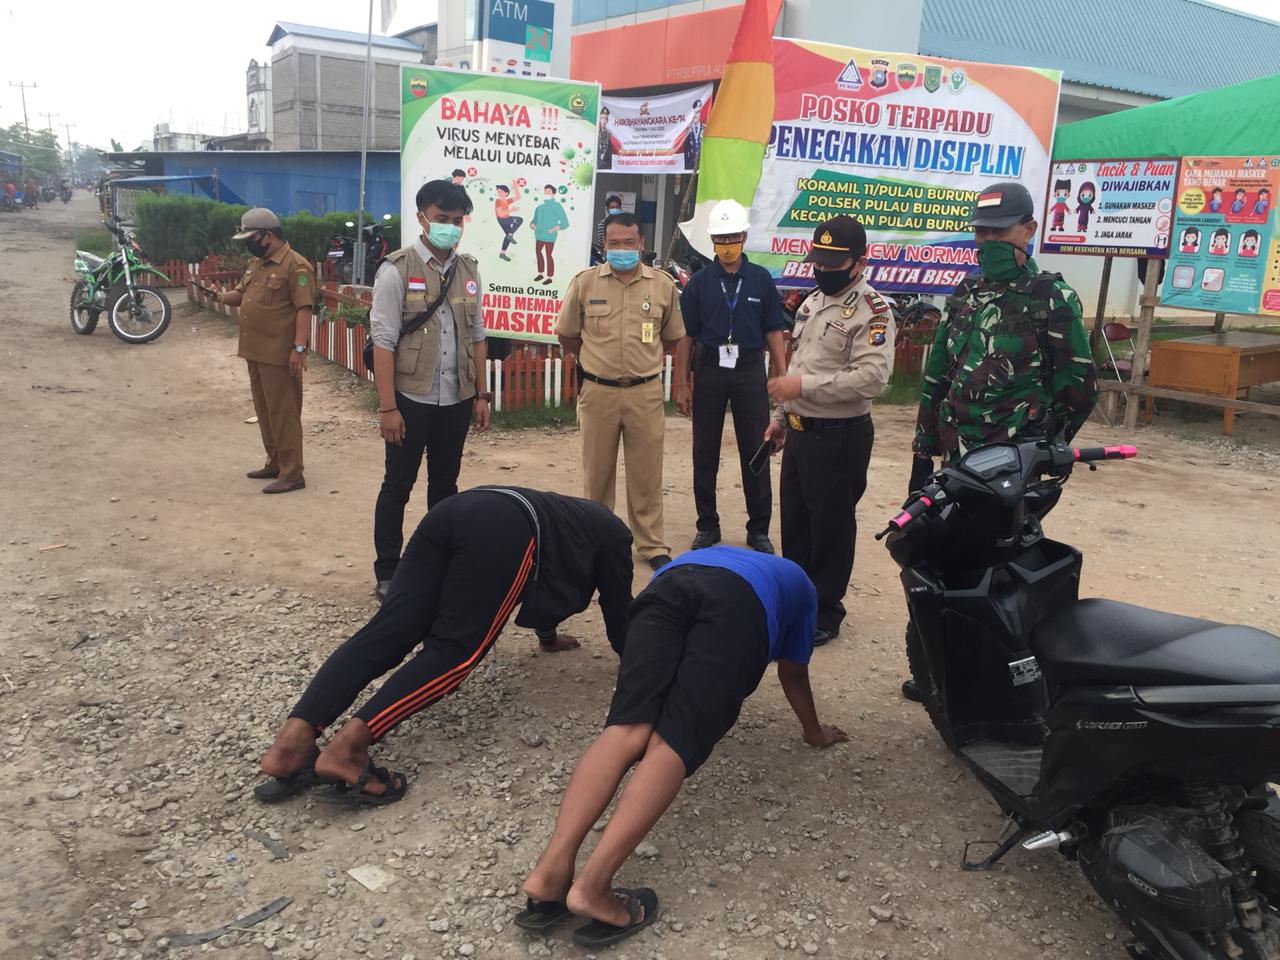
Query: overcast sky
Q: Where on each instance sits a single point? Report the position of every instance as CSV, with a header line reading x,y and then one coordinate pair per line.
x,y
117,69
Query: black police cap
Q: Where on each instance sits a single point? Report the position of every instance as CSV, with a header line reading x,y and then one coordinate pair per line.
x,y
836,240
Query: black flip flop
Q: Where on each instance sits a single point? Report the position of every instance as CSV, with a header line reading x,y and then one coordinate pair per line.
x,y
282,788
355,795
540,915
597,933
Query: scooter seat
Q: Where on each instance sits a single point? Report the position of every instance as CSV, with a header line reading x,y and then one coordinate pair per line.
x,y
1106,642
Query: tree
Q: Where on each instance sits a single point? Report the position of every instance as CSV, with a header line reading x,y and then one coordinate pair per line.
x,y
41,158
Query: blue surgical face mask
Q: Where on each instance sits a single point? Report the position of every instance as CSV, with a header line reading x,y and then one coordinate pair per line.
x,y
612,210
623,260
443,236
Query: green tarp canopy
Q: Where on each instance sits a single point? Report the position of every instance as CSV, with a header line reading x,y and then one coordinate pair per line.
x,y
1240,120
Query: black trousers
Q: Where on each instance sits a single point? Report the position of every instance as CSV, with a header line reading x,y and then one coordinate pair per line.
x,y
824,475
742,388
460,578
441,432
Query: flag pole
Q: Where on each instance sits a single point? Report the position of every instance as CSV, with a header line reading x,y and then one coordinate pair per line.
x,y
358,246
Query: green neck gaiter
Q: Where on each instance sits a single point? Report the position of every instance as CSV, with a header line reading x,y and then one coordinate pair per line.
x,y
997,261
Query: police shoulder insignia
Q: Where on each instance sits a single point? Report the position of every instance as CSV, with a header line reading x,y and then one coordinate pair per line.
x,y
876,302
302,279
877,333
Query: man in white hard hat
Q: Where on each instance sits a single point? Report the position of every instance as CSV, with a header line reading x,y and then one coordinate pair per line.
x,y
732,315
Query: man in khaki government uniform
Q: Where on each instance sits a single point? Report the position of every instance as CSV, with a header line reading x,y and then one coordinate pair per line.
x,y
619,318
275,297
842,360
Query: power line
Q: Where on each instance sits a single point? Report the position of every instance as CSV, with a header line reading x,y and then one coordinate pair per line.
x,y
23,87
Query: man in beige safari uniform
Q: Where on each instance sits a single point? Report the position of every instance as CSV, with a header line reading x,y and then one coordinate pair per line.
x,y
275,297
431,380
619,318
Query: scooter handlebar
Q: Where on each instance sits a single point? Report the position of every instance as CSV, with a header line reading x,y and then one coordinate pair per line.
x,y
1121,452
912,511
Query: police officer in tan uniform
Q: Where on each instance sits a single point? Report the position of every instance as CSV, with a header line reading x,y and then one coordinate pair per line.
x,y
619,318
275,297
842,360
430,381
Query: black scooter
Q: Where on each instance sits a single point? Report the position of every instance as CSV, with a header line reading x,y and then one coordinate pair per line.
x,y
1138,743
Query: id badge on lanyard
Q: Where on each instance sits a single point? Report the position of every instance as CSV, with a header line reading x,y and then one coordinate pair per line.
x,y
729,351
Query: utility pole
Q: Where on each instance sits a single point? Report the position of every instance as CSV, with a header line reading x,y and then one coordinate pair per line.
x,y
23,88
68,127
48,120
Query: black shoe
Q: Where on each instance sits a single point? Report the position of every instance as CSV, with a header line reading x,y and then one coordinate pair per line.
x,y
384,587
660,561
537,278
705,538
760,543
822,637
910,691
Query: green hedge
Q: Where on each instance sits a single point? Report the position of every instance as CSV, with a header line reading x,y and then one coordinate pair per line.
x,y
187,228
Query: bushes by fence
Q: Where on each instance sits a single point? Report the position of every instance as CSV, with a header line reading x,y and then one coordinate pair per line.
x,y
180,227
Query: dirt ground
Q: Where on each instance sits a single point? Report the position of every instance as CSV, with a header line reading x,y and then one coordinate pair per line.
x,y
158,616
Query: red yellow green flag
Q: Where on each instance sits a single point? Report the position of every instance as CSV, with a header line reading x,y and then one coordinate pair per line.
x,y
741,118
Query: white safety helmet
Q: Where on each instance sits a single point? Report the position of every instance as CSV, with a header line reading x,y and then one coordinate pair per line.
x,y
727,218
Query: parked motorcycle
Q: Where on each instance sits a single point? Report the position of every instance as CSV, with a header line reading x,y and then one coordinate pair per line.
x,y
135,314
376,247
10,203
48,195
913,311
1138,743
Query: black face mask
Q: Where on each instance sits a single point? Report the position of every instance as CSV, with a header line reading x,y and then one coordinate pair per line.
x,y
832,282
256,247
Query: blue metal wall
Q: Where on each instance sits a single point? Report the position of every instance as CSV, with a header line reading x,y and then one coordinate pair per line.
x,y
316,181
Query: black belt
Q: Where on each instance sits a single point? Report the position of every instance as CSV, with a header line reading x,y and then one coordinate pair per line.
x,y
711,354
630,382
816,424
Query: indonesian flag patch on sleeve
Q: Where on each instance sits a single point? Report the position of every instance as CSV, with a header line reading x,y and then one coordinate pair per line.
x,y
990,199
417,283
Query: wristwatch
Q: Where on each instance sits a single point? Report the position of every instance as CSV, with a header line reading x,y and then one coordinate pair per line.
x,y
486,397
299,348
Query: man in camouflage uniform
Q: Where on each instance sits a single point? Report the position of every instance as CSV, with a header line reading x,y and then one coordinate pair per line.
x,y
1011,361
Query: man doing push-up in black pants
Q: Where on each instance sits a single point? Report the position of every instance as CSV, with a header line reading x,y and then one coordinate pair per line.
x,y
473,559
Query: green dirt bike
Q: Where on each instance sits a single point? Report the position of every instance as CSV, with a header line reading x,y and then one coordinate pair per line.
x,y
135,314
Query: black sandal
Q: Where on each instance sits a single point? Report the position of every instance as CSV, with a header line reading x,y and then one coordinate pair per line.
x,y
540,915
282,788
355,795
597,933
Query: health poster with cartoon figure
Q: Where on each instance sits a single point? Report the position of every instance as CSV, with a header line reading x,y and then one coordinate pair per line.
x,y
524,149
1113,208
1226,253
904,143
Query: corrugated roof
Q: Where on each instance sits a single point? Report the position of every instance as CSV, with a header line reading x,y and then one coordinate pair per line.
x,y
1161,48
348,36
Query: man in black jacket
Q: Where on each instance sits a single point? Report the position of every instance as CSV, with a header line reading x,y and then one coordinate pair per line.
x,y
473,559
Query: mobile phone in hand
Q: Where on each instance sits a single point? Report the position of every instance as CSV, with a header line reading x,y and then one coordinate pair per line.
x,y
760,458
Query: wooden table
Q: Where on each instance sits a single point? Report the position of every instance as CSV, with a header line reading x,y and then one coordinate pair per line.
x,y
1220,365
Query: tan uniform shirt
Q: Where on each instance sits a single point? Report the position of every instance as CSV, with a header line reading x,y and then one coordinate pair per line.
x,y
274,288
843,354
622,323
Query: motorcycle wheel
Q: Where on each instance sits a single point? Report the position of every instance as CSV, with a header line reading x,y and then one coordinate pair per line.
x,y
923,677
920,315
142,317
84,320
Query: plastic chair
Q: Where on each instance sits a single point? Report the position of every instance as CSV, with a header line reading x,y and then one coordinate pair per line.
x,y
1119,333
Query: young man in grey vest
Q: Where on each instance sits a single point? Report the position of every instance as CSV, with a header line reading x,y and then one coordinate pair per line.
x,y
430,381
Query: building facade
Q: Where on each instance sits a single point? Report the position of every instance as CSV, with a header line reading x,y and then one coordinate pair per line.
x,y
316,87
